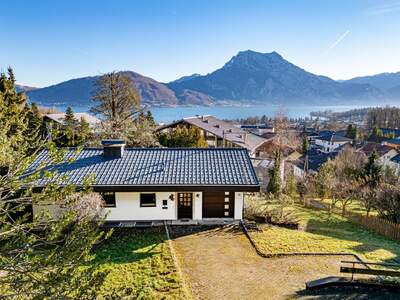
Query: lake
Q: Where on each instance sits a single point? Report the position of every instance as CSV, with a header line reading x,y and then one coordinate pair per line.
x,y
169,114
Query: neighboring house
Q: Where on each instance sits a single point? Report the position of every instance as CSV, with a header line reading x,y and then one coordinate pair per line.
x,y
391,131
60,117
331,142
395,163
385,152
258,129
311,162
149,184
218,133
394,143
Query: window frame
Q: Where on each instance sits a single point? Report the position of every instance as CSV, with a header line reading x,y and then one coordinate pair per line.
x,y
107,205
150,204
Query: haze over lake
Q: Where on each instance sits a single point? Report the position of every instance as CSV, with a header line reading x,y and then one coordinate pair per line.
x,y
169,114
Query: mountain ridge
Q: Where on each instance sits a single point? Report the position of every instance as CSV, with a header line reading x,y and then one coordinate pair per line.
x,y
248,77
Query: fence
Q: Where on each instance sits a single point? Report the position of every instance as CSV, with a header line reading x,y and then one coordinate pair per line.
x,y
384,227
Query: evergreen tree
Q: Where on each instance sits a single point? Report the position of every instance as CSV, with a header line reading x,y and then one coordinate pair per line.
x,y
36,127
69,129
291,186
150,118
45,264
275,182
351,132
13,120
372,172
84,132
305,145
183,136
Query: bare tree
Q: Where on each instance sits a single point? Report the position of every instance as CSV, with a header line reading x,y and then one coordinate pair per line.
x,y
118,101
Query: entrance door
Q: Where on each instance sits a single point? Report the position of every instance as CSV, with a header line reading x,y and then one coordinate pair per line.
x,y
185,201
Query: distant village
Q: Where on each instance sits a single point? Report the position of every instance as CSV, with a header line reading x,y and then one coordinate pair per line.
x,y
305,143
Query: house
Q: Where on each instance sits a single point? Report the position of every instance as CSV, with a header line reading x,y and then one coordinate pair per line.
x,y
218,133
150,184
385,152
59,118
331,142
258,129
391,131
311,162
395,163
393,143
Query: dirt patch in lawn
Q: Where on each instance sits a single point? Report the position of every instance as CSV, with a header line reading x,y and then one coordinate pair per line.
x,y
220,263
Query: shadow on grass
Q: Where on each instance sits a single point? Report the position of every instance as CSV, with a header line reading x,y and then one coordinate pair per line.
x,y
332,293
204,230
321,223
127,245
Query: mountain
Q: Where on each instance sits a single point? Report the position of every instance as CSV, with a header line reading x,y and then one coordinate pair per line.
x,y
248,77
24,88
268,77
383,81
78,92
184,78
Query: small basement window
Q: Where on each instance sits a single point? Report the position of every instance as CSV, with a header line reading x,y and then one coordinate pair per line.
x,y
109,199
148,200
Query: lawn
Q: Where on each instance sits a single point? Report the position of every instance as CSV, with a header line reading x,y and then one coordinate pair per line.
x,y
139,266
324,233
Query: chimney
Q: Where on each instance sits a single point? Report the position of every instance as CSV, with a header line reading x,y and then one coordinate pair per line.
x,y
113,148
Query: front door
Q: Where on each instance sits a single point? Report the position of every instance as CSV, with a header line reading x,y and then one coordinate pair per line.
x,y
185,201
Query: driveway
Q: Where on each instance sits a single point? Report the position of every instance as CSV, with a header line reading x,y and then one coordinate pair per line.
x,y
220,263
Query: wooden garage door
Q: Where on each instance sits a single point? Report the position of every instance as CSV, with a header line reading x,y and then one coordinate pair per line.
x,y
218,204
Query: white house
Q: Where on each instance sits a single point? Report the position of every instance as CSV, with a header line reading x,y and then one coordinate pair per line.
x,y
219,133
331,142
385,152
155,184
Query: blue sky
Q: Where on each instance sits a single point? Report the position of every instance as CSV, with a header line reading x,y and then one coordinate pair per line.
x,y
49,41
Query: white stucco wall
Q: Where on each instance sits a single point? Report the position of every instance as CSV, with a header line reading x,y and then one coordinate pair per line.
x,y
329,146
128,208
197,205
239,199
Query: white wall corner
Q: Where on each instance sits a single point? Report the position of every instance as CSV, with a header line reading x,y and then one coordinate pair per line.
x,y
239,201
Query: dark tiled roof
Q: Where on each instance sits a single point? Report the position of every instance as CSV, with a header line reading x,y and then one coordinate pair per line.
x,y
155,167
396,159
315,159
394,141
387,131
334,138
371,147
223,129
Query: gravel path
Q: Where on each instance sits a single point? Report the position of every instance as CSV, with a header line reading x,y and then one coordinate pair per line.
x,y
220,263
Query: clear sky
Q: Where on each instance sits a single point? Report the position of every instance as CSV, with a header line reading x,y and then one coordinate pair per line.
x,y
49,41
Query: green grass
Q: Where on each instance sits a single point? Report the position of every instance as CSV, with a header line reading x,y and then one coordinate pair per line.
x,y
355,207
139,265
324,233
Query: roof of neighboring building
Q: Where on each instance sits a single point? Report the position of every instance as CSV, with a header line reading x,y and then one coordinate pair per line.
x,y
59,118
155,167
315,159
256,126
396,159
223,129
387,131
334,138
393,141
371,147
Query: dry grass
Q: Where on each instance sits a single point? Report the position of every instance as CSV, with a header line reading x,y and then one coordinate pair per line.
x,y
324,233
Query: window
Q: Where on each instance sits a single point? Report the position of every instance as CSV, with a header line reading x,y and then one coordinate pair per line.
x,y
148,200
109,199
